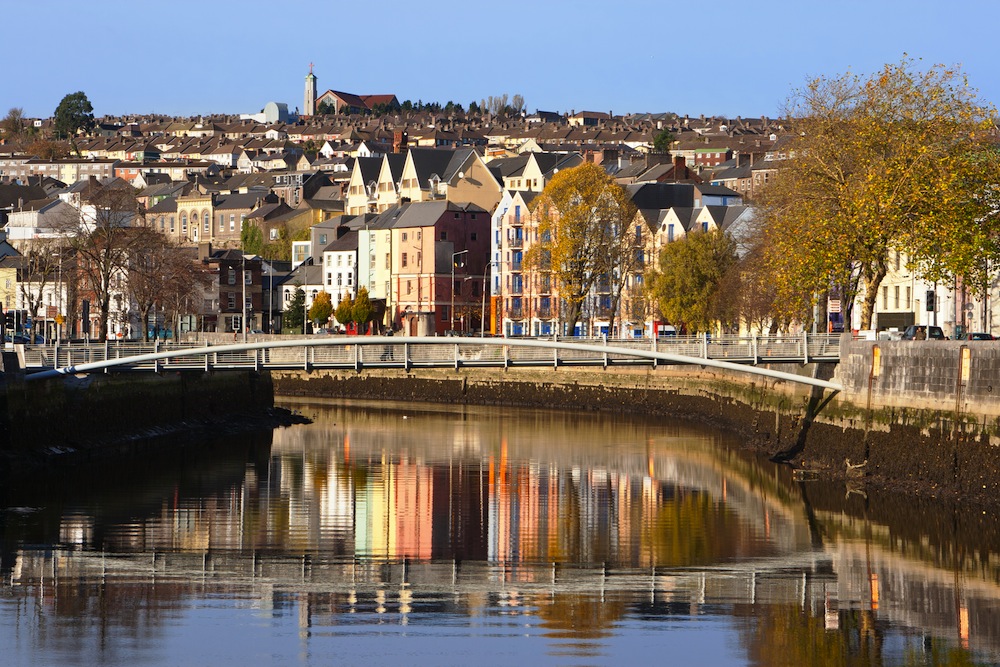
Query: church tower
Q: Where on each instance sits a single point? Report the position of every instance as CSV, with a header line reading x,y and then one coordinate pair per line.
x,y
309,103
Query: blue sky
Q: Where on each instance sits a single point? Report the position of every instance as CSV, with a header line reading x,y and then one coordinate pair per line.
x,y
189,57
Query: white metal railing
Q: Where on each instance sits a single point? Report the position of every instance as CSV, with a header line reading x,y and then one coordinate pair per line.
x,y
359,352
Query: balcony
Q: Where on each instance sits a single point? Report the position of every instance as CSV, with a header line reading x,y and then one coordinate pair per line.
x,y
515,242
544,313
515,313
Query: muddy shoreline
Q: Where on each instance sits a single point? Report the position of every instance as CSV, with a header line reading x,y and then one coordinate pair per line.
x,y
820,434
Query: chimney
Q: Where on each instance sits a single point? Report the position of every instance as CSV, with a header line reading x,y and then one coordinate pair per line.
x,y
204,251
679,166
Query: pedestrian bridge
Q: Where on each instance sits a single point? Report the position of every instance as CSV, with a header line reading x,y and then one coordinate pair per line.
x,y
745,353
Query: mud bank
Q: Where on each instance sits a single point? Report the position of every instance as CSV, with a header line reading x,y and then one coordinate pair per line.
x,y
839,436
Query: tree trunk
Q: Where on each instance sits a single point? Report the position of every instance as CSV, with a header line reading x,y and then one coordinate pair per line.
x,y
873,280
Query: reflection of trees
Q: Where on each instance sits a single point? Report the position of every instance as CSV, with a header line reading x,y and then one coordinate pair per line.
x,y
580,615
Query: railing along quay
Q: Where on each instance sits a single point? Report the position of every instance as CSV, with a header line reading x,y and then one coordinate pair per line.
x,y
357,352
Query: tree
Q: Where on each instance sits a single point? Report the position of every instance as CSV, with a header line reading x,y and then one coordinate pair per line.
x,y
896,161
293,317
103,239
662,141
345,310
251,239
14,129
362,310
163,276
322,308
73,114
583,218
48,150
691,272
39,269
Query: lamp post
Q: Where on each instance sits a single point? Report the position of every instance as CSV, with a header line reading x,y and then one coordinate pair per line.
x,y
482,313
454,257
244,320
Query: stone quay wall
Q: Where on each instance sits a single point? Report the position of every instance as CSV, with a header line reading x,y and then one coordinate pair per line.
x,y
67,419
928,420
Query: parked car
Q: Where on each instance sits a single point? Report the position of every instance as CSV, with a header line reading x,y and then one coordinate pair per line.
x,y
977,335
930,332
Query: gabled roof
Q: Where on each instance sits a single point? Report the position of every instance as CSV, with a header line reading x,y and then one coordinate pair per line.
x,y
346,243
428,162
661,195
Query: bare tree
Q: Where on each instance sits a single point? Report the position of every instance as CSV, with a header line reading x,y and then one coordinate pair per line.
x,y
104,236
162,274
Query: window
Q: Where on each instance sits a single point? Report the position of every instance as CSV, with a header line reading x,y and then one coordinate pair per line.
x,y
458,215
445,314
232,276
885,298
670,232
207,223
418,235
517,214
473,236
388,261
350,260
222,223
896,295
273,234
704,226
232,222
909,296
322,239
231,301
409,286
248,277
371,262
897,260
404,237
171,224
184,224
403,261
444,235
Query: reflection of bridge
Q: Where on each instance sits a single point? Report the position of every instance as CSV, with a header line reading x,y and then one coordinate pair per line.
x,y
367,352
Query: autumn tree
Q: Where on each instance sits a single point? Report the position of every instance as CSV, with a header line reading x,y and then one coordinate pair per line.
x,y
322,308
345,310
896,161
690,275
363,310
583,222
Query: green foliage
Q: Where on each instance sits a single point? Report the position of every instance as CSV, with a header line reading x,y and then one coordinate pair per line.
x,y
322,308
662,141
251,239
363,309
73,114
292,318
691,272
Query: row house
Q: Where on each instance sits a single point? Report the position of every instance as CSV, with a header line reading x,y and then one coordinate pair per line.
x,y
235,290
340,267
439,253
65,170
528,302
174,170
532,171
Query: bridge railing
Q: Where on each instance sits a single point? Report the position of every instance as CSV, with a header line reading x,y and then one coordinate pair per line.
x,y
360,351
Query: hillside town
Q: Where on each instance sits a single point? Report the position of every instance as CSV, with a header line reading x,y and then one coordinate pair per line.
x,y
420,217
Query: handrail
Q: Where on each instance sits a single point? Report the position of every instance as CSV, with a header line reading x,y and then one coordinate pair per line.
x,y
716,353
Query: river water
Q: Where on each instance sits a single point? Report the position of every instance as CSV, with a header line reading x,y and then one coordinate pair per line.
x,y
402,534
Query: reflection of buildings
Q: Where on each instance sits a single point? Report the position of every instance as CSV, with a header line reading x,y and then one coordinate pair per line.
x,y
368,512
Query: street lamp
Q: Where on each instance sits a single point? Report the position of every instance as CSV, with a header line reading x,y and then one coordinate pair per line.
x,y
454,256
482,313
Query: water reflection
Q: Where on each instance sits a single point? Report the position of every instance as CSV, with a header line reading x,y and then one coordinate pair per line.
x,y
509,534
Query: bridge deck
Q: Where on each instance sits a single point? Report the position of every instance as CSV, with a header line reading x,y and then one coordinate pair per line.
x,y
358,352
